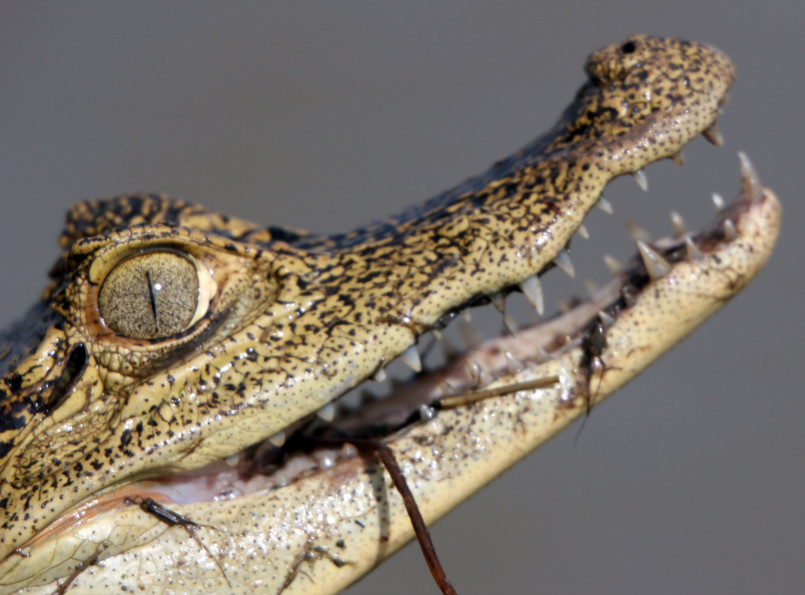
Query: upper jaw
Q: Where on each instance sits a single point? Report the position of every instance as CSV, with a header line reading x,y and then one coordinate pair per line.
x,y
335,507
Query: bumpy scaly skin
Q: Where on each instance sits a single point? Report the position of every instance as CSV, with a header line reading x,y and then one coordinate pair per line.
x,y
293,319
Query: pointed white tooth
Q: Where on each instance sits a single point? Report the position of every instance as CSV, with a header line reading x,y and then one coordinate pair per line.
x,y
475,372
730,233
641,179
437,334
603,204
563,261
232,460
467,314
277,439
590,287
628,297
380,375
678,225
426,413
512,362
613,265
510,323
655,264
499,301
542,355
718,202
607,319
637,233
411,357
692,248
750,181
532,290
713,134
583,232
349,451
678,158
324,460
327,413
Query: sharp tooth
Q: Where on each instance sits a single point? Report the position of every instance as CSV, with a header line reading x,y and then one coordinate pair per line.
x,y
474,369
718,202
678,225
380,375
677,158
563,261
655,264
499,301
582,231
532,290
512,362
713,134
637,233
277,439
603,204
641,179
630,299
613,265
327,413
467,314
607,319
437,334
348,451
693,250
324,460
510,324
411,358
730,233
232,460
750,181
426,413
590,287
542,355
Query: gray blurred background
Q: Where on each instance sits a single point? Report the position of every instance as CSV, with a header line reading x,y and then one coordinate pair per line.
x,y
324,115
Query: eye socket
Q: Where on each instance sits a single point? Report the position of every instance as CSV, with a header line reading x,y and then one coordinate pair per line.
x,y
150,295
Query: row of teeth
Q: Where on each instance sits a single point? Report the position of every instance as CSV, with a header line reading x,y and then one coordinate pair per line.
x,y
655,264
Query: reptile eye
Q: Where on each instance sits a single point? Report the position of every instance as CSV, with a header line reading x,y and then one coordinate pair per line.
x,y
151,295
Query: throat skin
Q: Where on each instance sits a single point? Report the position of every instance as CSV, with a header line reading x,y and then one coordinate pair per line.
x,y
288,320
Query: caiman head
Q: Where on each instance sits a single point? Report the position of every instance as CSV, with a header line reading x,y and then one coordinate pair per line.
x,y
172,337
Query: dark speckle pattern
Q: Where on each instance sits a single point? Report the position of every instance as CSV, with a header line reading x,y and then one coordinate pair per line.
x,y
288,320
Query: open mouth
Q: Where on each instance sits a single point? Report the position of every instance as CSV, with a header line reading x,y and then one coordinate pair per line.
x,y
476,374
585,352
305,497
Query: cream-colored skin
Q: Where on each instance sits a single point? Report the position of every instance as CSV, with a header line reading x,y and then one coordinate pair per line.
x,y
289,539
98,405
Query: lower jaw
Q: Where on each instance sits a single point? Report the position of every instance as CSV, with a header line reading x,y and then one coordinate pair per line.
x,y
332,505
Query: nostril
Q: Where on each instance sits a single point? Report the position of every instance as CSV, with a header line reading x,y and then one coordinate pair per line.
x,y
628,48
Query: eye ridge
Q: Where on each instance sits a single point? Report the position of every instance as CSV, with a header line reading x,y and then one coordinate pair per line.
x,y
153,294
